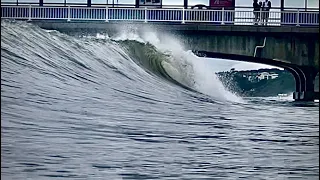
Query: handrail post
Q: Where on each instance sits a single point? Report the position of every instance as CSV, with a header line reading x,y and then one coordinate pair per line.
x,y
29,19
68,13
260,18
183,15
145,15
298,14
107,14
222,16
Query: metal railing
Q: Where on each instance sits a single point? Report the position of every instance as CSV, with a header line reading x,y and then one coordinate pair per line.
x,y
222,16
131,5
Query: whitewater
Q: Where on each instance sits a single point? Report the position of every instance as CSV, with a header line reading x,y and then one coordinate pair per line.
x,y
139,105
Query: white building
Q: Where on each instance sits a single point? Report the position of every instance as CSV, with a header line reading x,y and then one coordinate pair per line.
x,y
266,75
252,78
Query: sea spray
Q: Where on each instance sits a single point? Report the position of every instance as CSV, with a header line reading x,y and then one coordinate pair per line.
x,y
182,65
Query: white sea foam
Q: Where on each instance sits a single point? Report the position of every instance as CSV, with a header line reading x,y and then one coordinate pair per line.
x,y
183,66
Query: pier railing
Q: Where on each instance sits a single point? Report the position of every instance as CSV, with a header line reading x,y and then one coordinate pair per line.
x,y
180,15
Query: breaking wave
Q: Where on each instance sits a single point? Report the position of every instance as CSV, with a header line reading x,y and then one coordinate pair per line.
x,y
126,58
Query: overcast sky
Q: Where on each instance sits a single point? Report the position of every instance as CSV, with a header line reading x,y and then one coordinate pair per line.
x,y
275,3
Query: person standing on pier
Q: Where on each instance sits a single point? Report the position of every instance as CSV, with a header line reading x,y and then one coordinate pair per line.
x,y
256,11
266,6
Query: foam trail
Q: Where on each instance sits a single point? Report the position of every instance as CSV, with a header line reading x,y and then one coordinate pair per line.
x,y
130,33
288,97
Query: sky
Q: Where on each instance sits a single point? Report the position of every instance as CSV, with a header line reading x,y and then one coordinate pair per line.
x,y
218,65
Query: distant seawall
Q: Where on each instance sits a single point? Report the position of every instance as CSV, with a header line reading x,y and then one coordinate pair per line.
x,y
292,44
98,26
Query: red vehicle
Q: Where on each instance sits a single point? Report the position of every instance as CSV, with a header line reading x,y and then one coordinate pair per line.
x,y
227,4
217,4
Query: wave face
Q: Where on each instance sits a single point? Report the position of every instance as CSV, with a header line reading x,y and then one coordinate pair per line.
x,y
134,106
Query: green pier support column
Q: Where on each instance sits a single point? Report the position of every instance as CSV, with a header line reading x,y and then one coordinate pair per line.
x,y
307,75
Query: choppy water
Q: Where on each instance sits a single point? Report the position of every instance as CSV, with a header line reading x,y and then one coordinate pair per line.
x,y
131,107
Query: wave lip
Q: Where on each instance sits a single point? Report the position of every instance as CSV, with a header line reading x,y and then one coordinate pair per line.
x,y
182,66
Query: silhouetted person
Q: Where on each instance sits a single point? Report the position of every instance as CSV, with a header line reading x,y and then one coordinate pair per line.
x,y
266,6
260,12
256,11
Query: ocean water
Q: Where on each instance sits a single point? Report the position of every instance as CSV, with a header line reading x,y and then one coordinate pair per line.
x,y
136,106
